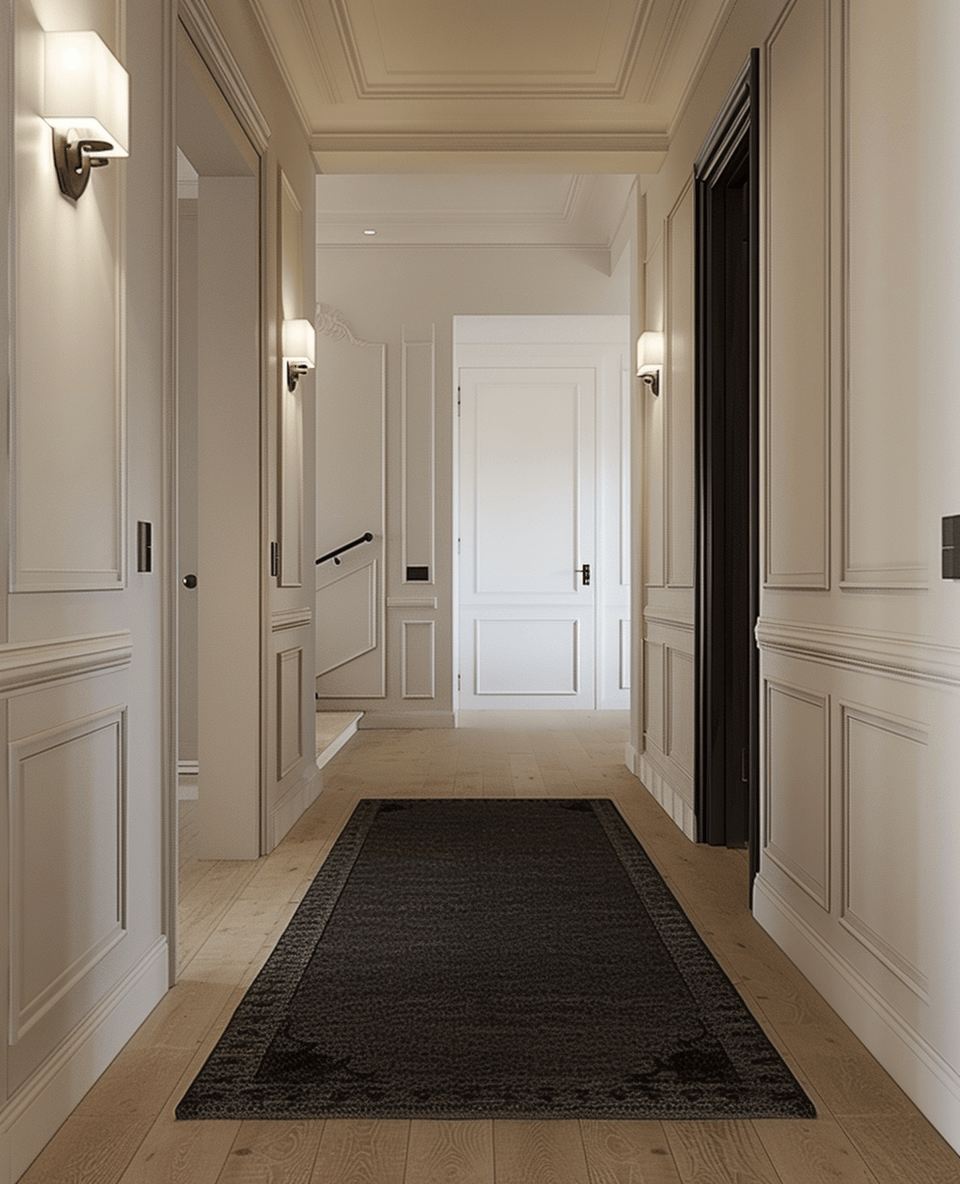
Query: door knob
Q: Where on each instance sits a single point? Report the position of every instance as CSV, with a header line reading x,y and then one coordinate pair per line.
x,y
585,572
190,581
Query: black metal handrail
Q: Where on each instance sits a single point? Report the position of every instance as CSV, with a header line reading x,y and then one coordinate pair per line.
x,y
364,538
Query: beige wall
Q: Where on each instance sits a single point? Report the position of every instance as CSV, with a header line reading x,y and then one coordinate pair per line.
x,y
376,403
860,664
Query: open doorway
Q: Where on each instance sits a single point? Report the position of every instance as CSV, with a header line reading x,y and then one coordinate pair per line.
x,y
219,470
727,450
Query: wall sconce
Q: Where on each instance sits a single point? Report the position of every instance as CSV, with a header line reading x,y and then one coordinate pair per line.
x,y
299,350
86,100
650,359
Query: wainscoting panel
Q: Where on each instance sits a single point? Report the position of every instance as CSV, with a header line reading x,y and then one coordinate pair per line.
x,y
884,890
289,710
418,660
797,380
67,795
347,619
653,683
418,455
678,696
796,826
678,395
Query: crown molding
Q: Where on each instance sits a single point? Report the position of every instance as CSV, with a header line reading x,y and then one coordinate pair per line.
x,y
205,34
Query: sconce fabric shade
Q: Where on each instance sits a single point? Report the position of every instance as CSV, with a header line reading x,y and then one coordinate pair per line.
x,y
649,351
300,343
87,91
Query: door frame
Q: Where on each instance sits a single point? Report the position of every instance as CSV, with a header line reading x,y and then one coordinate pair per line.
x,y
731,146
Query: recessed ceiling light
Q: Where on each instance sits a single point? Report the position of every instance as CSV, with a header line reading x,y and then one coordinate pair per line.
x,y
369,232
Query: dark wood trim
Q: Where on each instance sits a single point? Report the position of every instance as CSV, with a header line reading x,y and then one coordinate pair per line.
x,y
727,440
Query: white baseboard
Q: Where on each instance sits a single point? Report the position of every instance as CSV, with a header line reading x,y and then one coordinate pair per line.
x,y
407,719
32,1116
288,810
923,1074
334,746
663,792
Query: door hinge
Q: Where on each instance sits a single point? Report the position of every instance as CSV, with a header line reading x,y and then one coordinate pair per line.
x,y
458,400
744,767
458,682
274,559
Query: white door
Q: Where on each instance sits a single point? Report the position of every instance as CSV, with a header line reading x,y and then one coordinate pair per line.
x,y
527,526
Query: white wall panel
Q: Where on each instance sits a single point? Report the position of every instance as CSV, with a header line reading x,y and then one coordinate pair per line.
x,y
884,527
797,468
678,394
418,454
67,859
347,617
653,700
68,390
678,695
418,660
289,710
796,833
886,886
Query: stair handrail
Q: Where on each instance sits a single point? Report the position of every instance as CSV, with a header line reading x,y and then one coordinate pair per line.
x,y
367,537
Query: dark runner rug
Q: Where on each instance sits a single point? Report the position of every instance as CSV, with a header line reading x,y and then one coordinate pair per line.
x,y
491,959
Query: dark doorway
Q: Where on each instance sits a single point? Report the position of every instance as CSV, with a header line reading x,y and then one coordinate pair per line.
x,y
727,384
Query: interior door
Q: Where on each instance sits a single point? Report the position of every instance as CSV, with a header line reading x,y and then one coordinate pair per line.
x,y
527,538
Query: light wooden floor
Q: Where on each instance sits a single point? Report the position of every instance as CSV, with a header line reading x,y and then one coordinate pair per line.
x,y
231,914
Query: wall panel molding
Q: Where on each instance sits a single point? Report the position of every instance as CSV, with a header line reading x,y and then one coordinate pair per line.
x,y
68,791
891,655
290,618
31,664
418,660
879,910
797,366
289,710
797,798
678,394
418,454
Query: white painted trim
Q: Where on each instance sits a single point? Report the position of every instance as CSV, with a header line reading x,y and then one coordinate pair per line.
x,y
408,719
673,616
290,618
288,810
205,34
664,793
324,758
895,656
932,1083
32,1116
26,665
411,602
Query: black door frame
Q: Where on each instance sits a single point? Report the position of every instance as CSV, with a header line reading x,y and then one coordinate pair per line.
x,y
728,161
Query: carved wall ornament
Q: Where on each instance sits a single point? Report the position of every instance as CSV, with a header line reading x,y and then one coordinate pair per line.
x,y
331,323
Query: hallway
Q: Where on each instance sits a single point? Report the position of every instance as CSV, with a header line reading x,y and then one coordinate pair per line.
x,y
123,1132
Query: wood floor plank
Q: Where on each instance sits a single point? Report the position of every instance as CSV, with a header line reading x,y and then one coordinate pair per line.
x,y
181,1152
904,1149
450,1153
719,1153
628,1153
273,1153
362,1152
813,1153
539,1152
88,1151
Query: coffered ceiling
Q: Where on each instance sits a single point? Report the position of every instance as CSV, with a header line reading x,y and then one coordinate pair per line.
x,y
537,86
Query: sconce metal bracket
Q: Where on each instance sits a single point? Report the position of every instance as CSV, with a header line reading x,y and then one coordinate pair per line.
x,y
74,159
